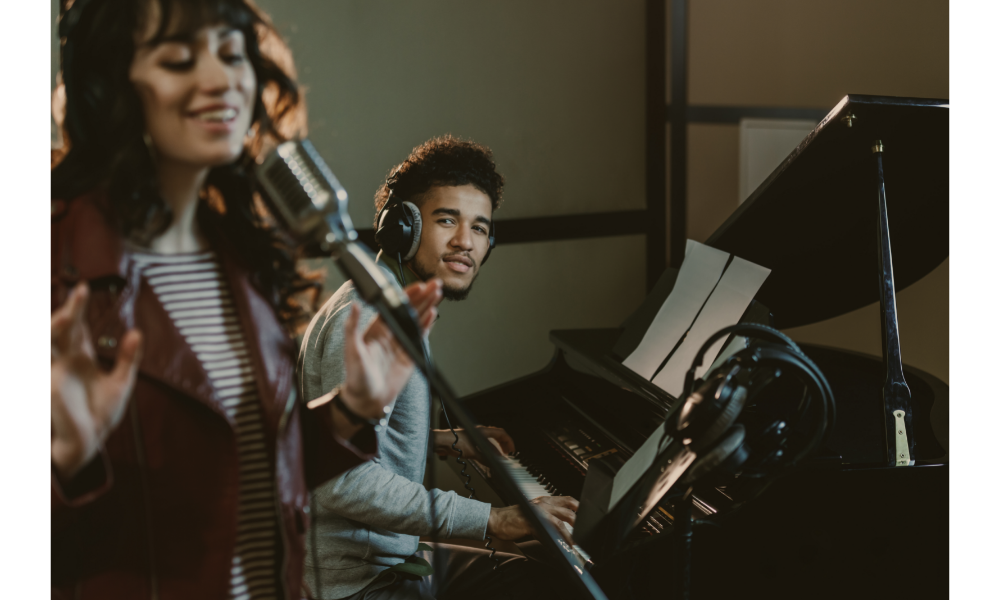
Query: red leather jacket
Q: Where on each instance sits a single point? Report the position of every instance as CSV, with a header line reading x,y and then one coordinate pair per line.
x,y
154,515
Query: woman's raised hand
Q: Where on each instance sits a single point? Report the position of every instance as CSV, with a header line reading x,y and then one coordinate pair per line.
x,y
87,402
376,365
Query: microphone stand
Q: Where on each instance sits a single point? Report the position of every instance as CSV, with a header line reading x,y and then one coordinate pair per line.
x,y
685,530
376,289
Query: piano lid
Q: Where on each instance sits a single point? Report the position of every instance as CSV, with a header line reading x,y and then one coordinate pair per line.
x,y
813,221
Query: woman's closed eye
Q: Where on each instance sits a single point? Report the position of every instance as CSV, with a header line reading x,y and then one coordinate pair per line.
x,y
178,65
231,52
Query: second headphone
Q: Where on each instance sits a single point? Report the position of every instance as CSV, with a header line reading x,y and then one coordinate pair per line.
x,y
707,420
398,228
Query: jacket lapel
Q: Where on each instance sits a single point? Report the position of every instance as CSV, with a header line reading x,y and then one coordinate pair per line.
x,y
167,357
86,247
271,349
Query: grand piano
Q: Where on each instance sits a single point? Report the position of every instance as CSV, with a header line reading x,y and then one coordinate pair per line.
x,y
857,521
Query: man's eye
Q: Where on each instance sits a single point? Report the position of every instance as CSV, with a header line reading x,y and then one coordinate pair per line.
x,y
233,59
446,221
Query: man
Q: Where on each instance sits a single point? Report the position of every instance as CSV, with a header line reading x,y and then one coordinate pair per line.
x,y
434,220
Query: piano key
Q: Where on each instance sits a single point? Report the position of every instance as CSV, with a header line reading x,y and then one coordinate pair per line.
x,y
531,485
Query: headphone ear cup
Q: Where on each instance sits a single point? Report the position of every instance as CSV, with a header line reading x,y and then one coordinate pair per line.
x,y
730,412
413,212
705,404
493,242
394,231
731,447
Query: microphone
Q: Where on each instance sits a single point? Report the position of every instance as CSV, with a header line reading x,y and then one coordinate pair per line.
x,y
306,197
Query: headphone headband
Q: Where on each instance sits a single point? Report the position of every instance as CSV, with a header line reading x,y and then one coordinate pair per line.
x,y
759,330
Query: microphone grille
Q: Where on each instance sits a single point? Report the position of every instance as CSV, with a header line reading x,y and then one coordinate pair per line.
x,y
300,187
289,180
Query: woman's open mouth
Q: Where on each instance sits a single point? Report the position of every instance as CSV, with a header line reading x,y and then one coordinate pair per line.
x,y
219,115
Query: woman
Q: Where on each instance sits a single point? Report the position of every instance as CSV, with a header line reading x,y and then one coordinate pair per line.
x,y
181,456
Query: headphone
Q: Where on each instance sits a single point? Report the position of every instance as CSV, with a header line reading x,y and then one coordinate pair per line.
x,y
707,421
398,227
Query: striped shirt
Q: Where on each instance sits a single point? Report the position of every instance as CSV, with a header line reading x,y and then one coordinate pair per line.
x,y
192,289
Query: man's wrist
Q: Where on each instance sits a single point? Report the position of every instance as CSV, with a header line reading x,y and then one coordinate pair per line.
x,y
491,522
441,442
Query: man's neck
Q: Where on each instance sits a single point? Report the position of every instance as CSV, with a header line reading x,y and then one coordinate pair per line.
x,y
393,265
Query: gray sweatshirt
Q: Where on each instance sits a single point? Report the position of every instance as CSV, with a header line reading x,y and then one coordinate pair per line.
x,y
369,518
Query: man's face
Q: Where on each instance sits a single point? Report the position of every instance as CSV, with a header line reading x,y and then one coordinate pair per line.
x,y
454,237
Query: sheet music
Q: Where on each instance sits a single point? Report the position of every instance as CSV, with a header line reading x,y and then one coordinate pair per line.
x,y
728,295
638,464
667,478
738,286
700,272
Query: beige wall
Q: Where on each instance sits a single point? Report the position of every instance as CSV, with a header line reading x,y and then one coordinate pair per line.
x,y
810,54
555,88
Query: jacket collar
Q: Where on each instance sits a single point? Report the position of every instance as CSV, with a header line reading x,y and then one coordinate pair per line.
x,y
92,247
86,246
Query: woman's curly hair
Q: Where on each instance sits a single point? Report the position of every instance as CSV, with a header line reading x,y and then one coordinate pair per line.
x,y
444,160
103,129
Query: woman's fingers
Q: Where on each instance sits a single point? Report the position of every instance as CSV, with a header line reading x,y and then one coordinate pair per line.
x,y
127,362
424,297
67,316
87,404
428,320
423,293
351,326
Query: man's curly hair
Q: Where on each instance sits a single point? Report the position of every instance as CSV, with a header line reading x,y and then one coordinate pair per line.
x,y
442,161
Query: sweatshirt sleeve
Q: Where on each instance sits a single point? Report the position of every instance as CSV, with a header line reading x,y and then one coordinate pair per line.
x,y
369,493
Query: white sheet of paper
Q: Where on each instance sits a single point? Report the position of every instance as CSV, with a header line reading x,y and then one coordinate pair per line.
x,y
665,481
638,464
738,286
700,271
